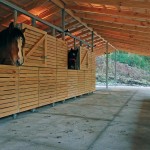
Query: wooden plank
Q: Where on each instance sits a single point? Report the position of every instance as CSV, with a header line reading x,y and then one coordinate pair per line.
x,y
7,113
35,46
47,85
8,90
25,108
31,28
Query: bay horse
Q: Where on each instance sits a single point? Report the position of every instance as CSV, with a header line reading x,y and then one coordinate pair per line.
x,y
12,41
73,59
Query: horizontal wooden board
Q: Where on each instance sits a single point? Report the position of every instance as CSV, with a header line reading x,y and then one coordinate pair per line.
x,y
8,90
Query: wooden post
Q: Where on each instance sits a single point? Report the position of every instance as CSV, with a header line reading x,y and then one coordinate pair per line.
x,y
80,43
15,17
92,40
63,24
33,22
74,43
115,70
53,32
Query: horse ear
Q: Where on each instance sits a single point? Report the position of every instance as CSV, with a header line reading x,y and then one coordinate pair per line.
x,y
11,26
23,30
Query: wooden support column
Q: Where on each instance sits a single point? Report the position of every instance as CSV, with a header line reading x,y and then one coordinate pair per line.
x,y
74,43
80,43
115,69
92,41
53,32
33,22
107,65
15,17
63,24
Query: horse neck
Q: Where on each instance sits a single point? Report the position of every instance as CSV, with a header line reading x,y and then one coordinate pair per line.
x,y
4,50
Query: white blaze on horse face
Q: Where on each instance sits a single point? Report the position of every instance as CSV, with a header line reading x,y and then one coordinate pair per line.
x,y
20,53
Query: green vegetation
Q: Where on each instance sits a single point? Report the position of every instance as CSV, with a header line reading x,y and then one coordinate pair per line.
x,y
133,60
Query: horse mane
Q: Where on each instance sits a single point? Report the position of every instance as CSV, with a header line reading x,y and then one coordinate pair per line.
x,y
10,34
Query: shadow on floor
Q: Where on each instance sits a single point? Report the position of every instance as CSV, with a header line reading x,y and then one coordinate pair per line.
x,y
141,137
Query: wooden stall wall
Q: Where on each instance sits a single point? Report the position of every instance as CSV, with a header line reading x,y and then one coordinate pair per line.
x,y
51,52
61,71
47,86
93,71
81,82
44,77
35,50
8,90
28,87
87,65
84,53
62,54
61,85
72,83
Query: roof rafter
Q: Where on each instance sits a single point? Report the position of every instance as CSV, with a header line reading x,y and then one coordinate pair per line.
x,y
125,3
118,25
102,17
62,5
109,11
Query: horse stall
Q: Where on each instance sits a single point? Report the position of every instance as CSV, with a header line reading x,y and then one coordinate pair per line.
x,y
44,78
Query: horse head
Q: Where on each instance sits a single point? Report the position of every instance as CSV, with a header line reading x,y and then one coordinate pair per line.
x,y
16,42
72,57
12,41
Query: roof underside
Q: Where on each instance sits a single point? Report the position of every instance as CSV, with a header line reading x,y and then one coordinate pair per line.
x,y
124,24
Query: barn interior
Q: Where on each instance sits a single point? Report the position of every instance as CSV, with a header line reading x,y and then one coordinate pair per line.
x,y
112,119
123,24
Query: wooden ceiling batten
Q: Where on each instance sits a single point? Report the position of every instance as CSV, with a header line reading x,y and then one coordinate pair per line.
x,y
125,3
111,12
100,17
118,25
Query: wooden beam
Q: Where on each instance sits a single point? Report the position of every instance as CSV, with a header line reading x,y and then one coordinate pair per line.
x,y
100,17
62,5
134,43
121,32
112,12
87,40
79,34
134,49
74,30
123,37
130,46
27,8
118,3
117,25
102,50
72,24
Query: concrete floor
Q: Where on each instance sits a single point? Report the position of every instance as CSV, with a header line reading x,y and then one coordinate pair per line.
x,y
114,119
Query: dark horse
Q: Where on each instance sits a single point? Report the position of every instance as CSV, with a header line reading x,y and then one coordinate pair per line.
x,y
73,59
12,41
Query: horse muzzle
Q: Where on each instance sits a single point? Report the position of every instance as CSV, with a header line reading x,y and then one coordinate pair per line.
x,y
19,62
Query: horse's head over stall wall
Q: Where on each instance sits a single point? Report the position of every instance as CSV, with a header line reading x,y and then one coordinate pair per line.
x,y
72,58
12,41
